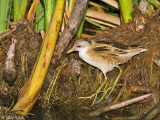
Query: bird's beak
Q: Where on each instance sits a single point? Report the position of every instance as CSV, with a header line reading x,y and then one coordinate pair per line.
x,y
71,50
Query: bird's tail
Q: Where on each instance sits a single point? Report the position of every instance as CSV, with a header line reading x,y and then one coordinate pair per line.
x,y
132,52
137,51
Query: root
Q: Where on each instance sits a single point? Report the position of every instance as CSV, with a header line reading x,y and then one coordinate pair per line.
x,y
53,82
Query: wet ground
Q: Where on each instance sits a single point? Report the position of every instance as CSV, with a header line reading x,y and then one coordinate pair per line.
x,y
77,79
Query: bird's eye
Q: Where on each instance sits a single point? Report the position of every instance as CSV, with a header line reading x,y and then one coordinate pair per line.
x,y
78,46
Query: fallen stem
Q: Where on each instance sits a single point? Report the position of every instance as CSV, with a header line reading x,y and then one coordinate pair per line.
x,y
96,24
100,22
119,105
113,3
70,29
103,16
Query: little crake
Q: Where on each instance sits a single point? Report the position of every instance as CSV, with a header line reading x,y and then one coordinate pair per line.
x,y
104,54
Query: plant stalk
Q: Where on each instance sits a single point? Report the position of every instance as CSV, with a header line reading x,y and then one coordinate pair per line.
x,y
30,92
126,10
4,9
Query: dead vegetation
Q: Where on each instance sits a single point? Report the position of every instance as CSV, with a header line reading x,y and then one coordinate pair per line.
x,y
72,84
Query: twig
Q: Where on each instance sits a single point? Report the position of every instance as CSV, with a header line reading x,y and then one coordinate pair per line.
x,y
70,29
6,33
121,91
103,16
138,89
32,10
16,26
119,105
100,22
113,3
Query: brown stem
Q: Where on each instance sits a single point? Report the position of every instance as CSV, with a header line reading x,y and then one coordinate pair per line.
x,y
119,105
70,29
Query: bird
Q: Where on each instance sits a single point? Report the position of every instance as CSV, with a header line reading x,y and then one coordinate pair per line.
x,y
105,54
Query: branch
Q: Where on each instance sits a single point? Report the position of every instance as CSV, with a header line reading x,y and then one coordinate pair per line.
x,y
70,29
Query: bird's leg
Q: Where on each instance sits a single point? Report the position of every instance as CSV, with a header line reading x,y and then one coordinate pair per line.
x,y
116,81
120,73
121,91
105,77
111,88
107,82
99,89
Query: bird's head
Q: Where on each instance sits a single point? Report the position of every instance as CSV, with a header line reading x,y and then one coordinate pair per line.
x,y
79,45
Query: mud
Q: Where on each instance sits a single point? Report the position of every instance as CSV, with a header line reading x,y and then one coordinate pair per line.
x,y
78,79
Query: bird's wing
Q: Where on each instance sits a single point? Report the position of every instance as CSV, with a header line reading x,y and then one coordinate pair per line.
x,y
114,51
110,49
104,52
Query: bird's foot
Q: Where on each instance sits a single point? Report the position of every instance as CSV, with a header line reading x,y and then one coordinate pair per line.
x,y
110,87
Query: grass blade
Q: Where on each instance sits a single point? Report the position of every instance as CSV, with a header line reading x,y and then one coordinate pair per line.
x,y
4,9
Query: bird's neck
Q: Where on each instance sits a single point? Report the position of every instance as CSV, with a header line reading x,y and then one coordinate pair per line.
x,y
82,52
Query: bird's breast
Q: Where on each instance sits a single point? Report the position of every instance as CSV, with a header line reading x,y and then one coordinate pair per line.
x,y
98,62
83,55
